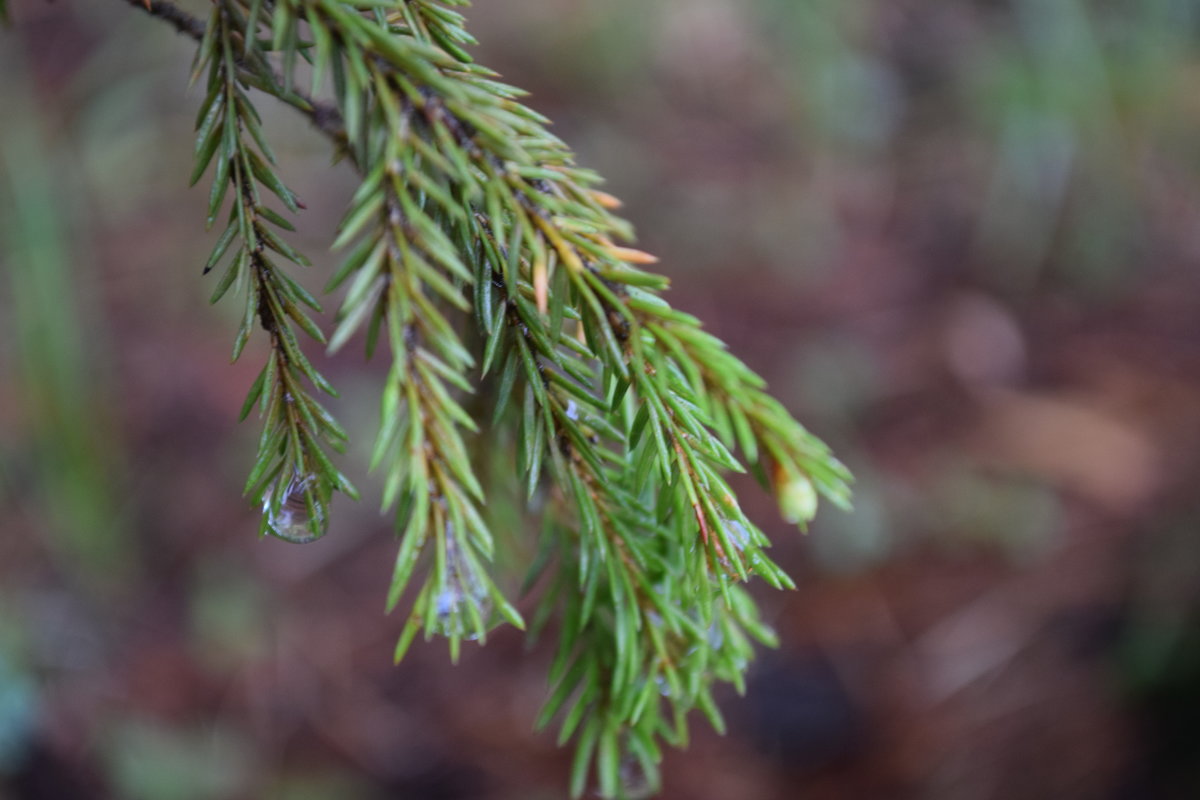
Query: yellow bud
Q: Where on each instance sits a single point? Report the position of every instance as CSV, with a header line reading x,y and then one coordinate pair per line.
x,y
797,496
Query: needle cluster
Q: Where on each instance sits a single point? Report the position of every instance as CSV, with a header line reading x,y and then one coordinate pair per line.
x,y
494,273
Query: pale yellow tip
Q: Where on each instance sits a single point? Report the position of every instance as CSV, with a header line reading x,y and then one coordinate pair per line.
x,y
606,200
631,255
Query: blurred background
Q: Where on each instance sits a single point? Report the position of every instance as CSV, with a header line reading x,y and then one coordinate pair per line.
x,y
961,241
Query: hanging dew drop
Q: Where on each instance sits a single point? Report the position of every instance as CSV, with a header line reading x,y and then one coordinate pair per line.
x,y
292,521
463,589
452,614
448,601
637,780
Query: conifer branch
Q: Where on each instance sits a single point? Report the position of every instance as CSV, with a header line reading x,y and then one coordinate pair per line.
x,y
406,270
292,477
746,416
627,412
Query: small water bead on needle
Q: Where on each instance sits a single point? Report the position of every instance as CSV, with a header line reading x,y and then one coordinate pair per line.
x,y
292,521
447,602
452,615
639,781
716,636
737,533
451,603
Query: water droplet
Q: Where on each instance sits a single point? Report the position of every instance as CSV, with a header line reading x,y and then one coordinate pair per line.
x,y
447,602
292,521
636,783
716,636
737,533
463,588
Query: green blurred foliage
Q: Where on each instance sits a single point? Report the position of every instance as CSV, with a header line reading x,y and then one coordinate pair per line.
x,y
153,762
230,615
60,353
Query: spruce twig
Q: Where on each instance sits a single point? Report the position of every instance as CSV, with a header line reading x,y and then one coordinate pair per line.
x,y
477,247
292,477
